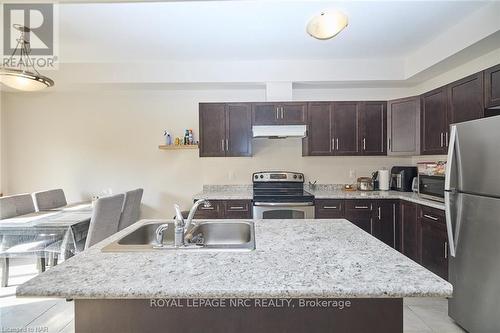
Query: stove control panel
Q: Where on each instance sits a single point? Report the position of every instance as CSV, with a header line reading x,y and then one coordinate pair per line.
x,y
278,176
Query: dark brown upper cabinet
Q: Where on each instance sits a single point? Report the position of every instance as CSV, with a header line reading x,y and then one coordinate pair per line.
x,y
492,87
319,141
212,129
372,128
403,127
279,113
434,122
344,128
465,99
225,129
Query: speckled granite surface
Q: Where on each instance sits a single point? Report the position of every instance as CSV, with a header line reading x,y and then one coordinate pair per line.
x,y
321,191
225,192
293,258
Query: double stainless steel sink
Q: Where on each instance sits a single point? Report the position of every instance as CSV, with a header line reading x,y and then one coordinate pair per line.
x,y
206,235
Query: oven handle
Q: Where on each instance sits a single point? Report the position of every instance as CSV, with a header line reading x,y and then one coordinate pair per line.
x,y
283,204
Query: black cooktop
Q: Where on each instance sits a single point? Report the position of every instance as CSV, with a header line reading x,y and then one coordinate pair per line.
x,y
280,187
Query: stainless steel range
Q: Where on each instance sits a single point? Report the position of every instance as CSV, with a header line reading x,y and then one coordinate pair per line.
x,y
281,195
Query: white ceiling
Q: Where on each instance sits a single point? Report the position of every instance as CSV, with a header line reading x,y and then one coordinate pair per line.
x,y
249,30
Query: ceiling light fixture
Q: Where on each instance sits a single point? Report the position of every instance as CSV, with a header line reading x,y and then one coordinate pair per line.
x,y
25,77
327,24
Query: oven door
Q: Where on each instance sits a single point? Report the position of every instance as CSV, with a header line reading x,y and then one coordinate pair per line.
x,y
281,210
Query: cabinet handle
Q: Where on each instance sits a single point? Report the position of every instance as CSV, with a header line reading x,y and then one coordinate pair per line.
x,y
389,143
441,139
361,207
379,213
337,143
431,217
364,143
446,138
227,144
277,112
446,250
329,207
282,112
394,225
208,208
333,144
222,144
236,208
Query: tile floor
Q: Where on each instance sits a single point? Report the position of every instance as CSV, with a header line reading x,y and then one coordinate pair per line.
x,y
421,315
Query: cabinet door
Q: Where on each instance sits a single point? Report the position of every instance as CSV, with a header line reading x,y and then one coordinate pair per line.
x,y
212,130
359,212
403,127
237,209
345,128
265,114
384,221
409,230
465,99
238,130
434,125
492,87
293,113
329,209
318,141
373,128
434,247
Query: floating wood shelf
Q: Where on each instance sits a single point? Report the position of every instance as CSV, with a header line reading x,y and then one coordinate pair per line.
x,y
177,147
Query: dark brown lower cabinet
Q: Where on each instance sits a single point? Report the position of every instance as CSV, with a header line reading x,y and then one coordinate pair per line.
x,y
329,209
359,212
225,209
384,221
409,230
433,241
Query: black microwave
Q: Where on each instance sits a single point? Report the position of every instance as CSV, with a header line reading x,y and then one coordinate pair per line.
x,y
431,187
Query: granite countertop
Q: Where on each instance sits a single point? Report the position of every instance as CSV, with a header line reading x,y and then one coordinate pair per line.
x,y
333,191
293,258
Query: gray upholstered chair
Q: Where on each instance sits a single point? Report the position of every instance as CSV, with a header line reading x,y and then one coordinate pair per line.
x,y
105,219
131,208
49,200
20,245
15,205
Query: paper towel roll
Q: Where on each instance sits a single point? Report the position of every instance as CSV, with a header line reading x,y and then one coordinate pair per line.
x,y
383,180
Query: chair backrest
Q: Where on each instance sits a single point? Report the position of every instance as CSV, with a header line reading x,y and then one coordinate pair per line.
x,y
15,205
105,218
46,200
131,208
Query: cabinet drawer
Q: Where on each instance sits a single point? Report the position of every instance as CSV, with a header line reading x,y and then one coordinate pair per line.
x,y
213,212
358,205
432,214
329,209
238,209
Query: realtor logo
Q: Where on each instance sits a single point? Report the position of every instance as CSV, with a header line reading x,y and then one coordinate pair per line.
x,y
41,34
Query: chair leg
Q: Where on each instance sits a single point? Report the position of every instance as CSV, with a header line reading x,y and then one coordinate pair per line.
x,y
54,259
50,259
4,264
41,264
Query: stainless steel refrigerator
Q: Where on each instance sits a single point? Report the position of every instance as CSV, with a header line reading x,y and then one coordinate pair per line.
x,y
472,200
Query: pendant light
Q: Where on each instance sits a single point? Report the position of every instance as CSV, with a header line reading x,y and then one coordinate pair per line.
x,y
25,77
327,25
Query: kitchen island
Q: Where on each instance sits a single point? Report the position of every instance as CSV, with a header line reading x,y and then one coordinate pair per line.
x,y
361,279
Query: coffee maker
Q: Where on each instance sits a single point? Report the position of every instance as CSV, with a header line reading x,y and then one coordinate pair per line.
x,y
402,178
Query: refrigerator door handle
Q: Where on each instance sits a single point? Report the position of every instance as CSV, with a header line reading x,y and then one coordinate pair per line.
x,y
451,156
449,227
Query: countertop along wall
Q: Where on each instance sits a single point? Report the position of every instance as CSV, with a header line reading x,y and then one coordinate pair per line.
x,y
87,141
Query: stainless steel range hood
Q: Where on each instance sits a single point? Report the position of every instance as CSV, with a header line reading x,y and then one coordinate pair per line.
x,y
279,131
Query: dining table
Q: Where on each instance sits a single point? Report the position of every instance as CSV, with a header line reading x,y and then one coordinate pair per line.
x,y
68,224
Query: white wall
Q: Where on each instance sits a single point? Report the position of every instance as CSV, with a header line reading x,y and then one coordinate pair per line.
x,y
87,141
